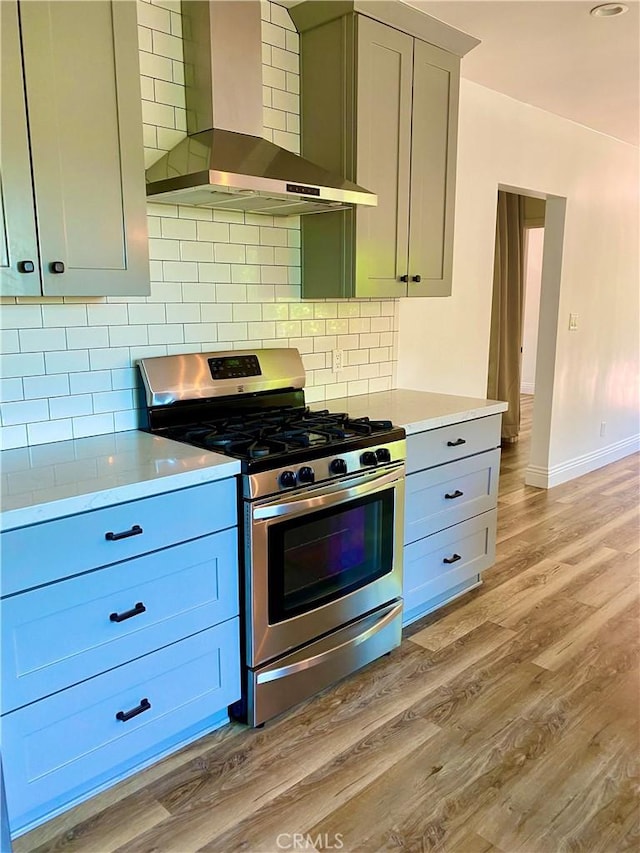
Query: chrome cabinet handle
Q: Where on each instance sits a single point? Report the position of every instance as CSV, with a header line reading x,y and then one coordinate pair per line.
x,y
56,267
26,266
452,559
456,443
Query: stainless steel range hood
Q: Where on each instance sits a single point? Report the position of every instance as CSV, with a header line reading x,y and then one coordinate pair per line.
x,y
224,162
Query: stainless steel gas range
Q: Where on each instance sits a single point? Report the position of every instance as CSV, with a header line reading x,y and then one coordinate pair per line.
x,y
320,506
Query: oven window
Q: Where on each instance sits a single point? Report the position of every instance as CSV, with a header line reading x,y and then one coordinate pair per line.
x,y
327,554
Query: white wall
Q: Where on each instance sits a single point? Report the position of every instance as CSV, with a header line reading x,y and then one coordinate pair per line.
x,y
444,343
219,280
532,281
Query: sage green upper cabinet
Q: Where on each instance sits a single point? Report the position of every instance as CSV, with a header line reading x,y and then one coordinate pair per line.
x,y
82,190
380,105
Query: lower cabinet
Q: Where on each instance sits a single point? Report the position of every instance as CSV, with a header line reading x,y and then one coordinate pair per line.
x,y
115,655
450,512
80,740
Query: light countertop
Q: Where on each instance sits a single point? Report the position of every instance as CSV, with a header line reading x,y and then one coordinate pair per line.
x,y
416,411
49,481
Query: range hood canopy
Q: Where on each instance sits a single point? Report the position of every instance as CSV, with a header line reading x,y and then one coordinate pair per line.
x,y
223,161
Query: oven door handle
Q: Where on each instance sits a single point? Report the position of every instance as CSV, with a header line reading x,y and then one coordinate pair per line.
x,y
316,660
327,496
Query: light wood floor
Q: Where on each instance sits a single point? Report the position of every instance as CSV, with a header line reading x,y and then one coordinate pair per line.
x,y
506,722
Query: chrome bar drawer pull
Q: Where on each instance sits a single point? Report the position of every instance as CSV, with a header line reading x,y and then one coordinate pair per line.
x,y
124,716
135,611
136,530
452,559
456,443
451,495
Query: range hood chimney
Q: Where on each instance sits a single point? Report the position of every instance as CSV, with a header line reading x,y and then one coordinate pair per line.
x,y
223,162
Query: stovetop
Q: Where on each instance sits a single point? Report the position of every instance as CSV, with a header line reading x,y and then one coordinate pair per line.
x,y
271,437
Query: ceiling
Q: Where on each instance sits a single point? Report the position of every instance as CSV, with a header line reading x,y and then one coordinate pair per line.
x,y
555,55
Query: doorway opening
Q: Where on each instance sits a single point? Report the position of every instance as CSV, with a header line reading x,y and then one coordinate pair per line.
x,y
524,321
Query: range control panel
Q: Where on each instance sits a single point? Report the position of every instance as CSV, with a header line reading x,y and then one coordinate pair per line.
x,y
234,367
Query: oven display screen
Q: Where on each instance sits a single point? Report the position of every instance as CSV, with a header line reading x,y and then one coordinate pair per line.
x,y
327,554
234,367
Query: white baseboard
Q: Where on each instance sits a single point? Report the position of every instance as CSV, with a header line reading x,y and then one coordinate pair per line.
x,y
547,478
527,388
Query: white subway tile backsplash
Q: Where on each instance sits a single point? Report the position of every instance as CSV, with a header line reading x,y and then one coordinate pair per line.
x,y
114,401
24,411
126,377
21,316
109,359
9,340
65,315
13,436
220,279
146,314
229,253
92,425
42,340
93,380
47,431
11,390
214,272
53,385
71,406
193,251
23,364
87,337
107,315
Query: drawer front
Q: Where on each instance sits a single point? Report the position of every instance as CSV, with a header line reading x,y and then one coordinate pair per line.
x,y
427,575
442,496
445,444
58,635
65,746
57,549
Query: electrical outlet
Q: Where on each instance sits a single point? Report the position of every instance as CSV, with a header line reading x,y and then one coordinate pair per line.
x,y
573,322
603,428
337,360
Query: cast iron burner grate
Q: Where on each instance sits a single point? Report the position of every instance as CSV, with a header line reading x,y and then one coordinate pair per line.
x,y
276,432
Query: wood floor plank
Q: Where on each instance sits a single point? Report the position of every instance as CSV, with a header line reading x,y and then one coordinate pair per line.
x,y
319,793
546,577
111,828
570,646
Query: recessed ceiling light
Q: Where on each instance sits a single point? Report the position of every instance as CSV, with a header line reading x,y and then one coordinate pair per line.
x,y
608,10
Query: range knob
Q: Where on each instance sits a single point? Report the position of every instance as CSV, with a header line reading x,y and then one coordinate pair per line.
x,y
369,458
306,475
288,479
338,466
383,454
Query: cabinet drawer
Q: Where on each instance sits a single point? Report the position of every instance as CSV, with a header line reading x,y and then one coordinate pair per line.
x,y
445,444
61,634
60,748
471,486
427,575
57,549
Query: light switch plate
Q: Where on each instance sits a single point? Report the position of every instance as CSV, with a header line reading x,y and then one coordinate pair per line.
x,y
337,361
573,322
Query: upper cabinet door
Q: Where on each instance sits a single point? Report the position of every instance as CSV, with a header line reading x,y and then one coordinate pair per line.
x,y
83,102
436,80
18,241
385,68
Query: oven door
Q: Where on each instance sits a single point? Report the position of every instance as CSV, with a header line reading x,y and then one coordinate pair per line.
x,y
318,559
